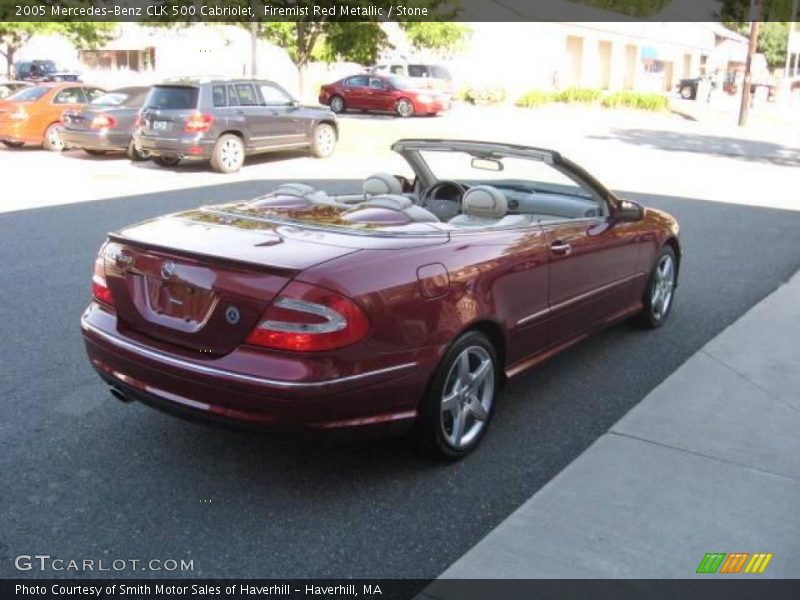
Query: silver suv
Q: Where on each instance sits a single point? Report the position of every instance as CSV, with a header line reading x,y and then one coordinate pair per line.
x,y
225,120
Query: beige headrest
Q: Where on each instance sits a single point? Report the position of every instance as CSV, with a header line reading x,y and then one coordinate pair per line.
x,y
485,201
391,201
382,183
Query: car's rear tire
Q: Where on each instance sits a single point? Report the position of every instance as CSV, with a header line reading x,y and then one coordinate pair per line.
x,y
337,104
458,406
11,144
166,161
659,295
404,108
134,154
323,140
52,140
229,154
94,152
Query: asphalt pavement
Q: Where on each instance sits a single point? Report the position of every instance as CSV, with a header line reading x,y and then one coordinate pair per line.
x,y
88,477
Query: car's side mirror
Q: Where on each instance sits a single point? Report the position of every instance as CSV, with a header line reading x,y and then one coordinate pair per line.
x,y
629,211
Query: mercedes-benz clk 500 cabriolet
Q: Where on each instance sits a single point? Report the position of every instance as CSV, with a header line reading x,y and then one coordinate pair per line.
x,y
405,306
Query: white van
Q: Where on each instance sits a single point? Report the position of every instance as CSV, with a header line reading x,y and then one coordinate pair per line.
x,y
423,75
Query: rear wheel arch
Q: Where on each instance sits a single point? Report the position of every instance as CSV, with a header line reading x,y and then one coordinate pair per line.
x,y
235,132
330,122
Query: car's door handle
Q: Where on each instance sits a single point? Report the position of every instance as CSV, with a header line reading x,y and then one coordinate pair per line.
x,y
560,248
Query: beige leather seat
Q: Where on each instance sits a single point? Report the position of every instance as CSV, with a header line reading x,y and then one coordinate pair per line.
x,y
401,204
484,206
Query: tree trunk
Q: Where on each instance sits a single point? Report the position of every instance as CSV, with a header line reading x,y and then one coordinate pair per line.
x,y
302,72
9,54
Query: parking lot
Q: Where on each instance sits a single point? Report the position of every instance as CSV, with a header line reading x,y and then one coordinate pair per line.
x,y
91,477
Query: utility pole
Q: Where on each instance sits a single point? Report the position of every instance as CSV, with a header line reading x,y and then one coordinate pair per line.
x,y
792,17
254,41
756,7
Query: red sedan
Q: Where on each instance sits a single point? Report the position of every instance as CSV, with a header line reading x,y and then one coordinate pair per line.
x,y
390,94
400,305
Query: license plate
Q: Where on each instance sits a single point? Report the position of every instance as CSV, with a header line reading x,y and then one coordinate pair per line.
x,y
159,125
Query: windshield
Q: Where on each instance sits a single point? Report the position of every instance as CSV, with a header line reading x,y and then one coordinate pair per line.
x,y
47,67
28,94
509,173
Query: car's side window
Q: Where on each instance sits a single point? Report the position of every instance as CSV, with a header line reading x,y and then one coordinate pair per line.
x,y
376,83
233,99
398,70
70,96
218,98
246,94
273,96
358,81
92,93
418,71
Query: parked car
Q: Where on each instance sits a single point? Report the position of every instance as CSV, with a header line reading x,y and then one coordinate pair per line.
x,y
401,305
382,94
33,115
43,70
106,123
226,120
7,88
422,75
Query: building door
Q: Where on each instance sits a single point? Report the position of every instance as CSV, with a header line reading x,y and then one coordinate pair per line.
x,y
687,66
574,60
668,74
604,56
631,53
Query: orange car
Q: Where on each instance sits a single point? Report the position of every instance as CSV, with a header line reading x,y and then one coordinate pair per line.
x,y
33,115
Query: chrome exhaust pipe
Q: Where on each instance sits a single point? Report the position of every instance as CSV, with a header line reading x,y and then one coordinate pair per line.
x,y
118,394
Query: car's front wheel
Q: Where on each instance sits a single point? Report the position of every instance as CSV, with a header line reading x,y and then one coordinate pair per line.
x,y
404,108
456,411
52,138
323,141
228,155
659,296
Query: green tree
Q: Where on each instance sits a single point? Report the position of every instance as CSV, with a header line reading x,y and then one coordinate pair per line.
x,y
435,35
14,35
772,36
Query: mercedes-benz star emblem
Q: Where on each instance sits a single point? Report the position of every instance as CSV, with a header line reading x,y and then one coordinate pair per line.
x,y
232,315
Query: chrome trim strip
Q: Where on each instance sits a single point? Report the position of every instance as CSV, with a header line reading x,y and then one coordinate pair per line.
x,y
595,291
185,364
571,301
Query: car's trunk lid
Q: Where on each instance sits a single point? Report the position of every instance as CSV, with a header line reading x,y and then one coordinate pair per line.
x,y
202,285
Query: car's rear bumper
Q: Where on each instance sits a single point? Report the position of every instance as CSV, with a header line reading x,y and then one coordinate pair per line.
x,y
190,148
95,140
377,395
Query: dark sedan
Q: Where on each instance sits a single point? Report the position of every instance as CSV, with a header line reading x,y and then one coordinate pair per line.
x,y
399,305
390,94
43,71
107,123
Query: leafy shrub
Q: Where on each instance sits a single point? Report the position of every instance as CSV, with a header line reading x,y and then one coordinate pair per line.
x,y
638,100
481,95
571,95
534,98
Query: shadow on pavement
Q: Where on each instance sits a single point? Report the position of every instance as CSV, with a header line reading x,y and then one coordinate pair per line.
x,y
87,474
750,150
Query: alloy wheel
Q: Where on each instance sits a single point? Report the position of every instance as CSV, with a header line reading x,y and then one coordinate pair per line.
x,y
663,285
231,155
405,108
53,138
337,104
326,140
467,396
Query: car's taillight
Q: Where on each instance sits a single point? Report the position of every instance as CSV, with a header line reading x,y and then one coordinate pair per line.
x,y
100,290
103,122
198,123
307,318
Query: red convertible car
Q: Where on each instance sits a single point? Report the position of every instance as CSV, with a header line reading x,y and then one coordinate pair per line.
x,y
390,94
405,304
